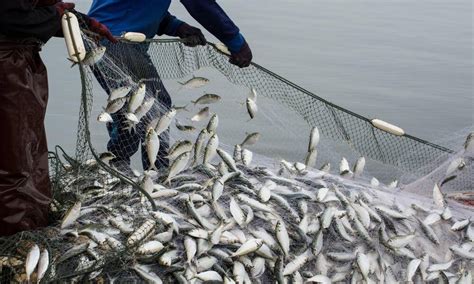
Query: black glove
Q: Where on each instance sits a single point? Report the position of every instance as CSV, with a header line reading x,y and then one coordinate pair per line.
x,y
191,36
243,57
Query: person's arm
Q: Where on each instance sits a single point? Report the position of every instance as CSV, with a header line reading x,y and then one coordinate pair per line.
x,y
22,19
211,16
169,25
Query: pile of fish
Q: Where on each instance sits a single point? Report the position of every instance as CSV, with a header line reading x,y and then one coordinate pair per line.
x,y
220,219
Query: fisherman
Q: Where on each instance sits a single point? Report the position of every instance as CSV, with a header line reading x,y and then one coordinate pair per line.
x,y
152,18
25,191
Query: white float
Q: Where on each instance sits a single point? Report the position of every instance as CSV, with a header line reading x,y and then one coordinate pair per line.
x,y
387,127
222,48
134,37
72,35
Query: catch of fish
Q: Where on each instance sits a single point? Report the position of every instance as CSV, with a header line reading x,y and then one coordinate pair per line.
x,y
222,218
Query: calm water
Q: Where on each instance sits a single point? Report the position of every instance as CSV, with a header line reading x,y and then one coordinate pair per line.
x,y
407,62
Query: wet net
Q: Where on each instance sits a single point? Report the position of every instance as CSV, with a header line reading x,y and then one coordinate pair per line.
x,y
185,213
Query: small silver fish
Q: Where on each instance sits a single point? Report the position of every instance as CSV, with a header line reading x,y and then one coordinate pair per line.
x,y
203,113
119,93
251,139
251,108
207,99
104,117
178,165
32,261
94,56
184,128
313,139
213,123
137,98
179,148
115,105
165,121
211,148
144,108
71,215
152,143
194,82
310,160
359,166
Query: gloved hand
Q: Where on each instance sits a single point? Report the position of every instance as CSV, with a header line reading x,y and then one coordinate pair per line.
x,y
191,36
243,57
98,28
62,6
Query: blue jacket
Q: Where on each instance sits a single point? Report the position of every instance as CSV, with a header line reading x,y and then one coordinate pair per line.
x,y
151,17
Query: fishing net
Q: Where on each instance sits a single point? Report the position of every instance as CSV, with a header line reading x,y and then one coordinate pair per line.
x,y
117,202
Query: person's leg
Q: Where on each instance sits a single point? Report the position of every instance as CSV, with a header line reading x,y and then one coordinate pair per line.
x,y
25,190
133,60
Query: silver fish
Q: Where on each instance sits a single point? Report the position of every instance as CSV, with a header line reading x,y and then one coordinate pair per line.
x,y
251,108
137,97
104,117
94,56
359,167
198,145
194,82
71,215
152,143
144,108
310,160
212,124
120,92
313,139
203,113
207,99
32,261
178,166
211,148
115,105
184,128
179,148
251,139
165,121
246,157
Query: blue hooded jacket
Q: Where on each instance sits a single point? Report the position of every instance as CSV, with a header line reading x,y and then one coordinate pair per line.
x,y
151,17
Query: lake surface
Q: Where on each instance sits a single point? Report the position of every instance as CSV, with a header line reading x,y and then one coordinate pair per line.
x,y
406,62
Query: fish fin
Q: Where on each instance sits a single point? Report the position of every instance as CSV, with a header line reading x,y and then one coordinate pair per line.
x,y
344,172
450,178
194,102
72,61
181,83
